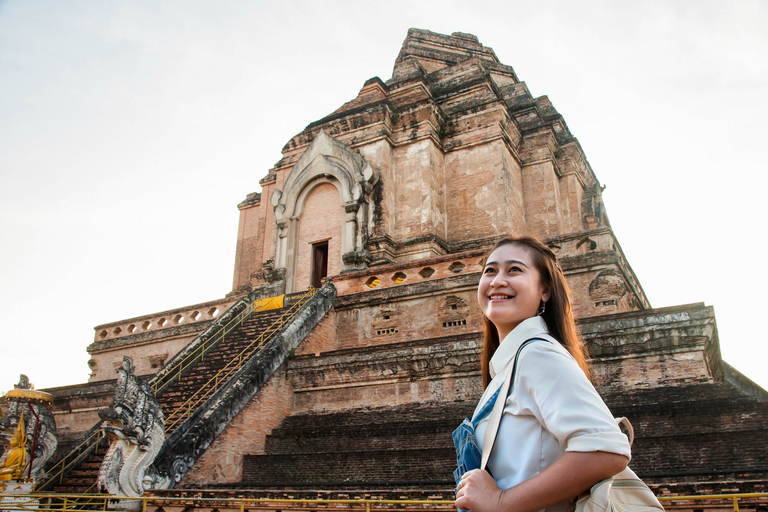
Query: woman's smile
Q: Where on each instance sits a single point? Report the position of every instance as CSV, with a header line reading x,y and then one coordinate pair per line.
x,y
510,289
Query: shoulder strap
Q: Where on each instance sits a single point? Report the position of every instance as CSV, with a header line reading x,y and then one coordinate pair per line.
x,y
498,408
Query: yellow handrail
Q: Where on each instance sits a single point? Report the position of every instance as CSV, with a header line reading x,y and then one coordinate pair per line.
x,y
50,502
733,497
90,441
199,352
184,410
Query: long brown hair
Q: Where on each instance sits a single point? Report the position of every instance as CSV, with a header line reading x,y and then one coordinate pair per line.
x,y
558,314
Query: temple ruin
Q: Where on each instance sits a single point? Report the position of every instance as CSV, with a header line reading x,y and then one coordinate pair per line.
x,y
348,349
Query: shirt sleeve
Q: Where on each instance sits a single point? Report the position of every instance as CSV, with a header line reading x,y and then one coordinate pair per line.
x,y
552,386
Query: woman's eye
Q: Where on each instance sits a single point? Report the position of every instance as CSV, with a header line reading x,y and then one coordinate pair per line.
x,y
488,270
515,269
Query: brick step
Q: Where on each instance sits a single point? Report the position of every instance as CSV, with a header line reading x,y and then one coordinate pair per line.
x,y
396,420
684,397
80,472
403,466
326,429
74,489
337,444
702,452
182,496
92,469
737,419
178,393
86,481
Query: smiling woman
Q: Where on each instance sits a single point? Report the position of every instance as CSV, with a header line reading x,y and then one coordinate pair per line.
x,y
556,437
510,288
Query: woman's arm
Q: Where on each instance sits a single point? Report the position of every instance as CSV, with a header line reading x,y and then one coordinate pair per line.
x,y
569,476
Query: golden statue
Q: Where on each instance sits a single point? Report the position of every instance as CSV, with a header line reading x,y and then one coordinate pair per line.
x,y
13,467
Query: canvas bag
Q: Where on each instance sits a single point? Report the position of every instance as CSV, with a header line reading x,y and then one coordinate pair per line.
x,y
624,492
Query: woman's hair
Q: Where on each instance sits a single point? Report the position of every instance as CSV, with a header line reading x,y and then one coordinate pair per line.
x,y
557,315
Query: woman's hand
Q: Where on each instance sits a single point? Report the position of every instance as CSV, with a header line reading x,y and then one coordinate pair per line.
x,y
477,491
570,475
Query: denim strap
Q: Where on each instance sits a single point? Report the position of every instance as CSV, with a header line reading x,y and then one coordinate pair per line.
x,y
486,409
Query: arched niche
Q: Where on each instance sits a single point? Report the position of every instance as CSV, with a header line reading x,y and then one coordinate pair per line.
x,y
326,161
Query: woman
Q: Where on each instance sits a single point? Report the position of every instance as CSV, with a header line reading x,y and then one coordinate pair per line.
x,y
556,438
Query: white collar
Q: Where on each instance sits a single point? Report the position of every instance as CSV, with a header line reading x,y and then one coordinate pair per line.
x,y
525,330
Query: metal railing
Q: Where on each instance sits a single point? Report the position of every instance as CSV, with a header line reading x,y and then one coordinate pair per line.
x,y
734,498
50,502
198,354
89,445
74,457
181,412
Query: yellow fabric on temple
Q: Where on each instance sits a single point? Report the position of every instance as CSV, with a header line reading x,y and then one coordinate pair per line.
x,y
268,303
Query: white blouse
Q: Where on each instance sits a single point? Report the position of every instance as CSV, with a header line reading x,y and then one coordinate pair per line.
x,y
551,409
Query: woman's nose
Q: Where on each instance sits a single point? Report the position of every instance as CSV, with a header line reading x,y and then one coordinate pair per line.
x,y
498,280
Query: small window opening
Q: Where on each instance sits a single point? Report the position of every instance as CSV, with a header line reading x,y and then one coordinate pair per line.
x,y
399,277
319,263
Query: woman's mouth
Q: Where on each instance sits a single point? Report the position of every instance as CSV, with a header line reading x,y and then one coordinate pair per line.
x,y
498,296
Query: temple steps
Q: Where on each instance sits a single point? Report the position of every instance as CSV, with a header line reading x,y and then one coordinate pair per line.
x,y
178,393
701,427
407,446
83,478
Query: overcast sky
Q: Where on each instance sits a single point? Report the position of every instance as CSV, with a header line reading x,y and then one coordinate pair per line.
x,y
129,131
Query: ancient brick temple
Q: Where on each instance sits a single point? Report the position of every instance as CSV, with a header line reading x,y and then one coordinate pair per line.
x,y
387,206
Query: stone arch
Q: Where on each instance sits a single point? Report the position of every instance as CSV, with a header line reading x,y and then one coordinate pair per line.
x,y
326,160
321,218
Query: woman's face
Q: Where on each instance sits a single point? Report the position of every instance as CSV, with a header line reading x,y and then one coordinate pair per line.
x,y
510,288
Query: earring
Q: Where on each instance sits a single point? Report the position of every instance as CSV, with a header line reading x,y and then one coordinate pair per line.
x,y
542,308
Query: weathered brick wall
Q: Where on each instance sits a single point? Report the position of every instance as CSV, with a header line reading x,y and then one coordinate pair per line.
x,y
443,369
251,230
408,319
322,338
485,192
223,461
75,410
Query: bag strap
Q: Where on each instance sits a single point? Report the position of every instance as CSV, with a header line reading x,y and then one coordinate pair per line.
x,y
498,407
630,431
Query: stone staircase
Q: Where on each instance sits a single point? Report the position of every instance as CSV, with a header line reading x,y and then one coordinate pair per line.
x,y
409,446
199,383
702,427
184,399
82,479
404,447
189,440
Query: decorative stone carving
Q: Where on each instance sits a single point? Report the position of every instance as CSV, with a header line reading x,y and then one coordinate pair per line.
x,y
453,311
136,429
386,321
608,287
39,425
327,160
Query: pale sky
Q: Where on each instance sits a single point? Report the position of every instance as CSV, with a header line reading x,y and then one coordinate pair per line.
x,y
129,131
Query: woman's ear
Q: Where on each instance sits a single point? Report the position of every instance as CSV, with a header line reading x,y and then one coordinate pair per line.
x,y
546,295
